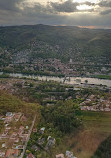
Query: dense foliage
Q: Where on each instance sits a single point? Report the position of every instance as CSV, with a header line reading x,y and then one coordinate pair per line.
x,y
63,116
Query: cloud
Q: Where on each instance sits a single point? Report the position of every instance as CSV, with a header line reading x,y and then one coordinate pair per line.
x,y
52,7
10,5
19,12
67,6
106,3
106,12
89,3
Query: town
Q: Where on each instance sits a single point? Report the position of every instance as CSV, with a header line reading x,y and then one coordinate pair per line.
x,y
14,134
21,137
29,61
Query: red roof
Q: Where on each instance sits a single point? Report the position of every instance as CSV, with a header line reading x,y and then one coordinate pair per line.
x,y
11,152
30,155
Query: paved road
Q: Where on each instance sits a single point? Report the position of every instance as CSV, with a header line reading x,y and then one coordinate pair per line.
x,y
30,131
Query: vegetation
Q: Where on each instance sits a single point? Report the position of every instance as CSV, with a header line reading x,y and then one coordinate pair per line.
x,y
59,38
85,142
63,116
87,133
108,77
104,149
4,76
11,103
58,121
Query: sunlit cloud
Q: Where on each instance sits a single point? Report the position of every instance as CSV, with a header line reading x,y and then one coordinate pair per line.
x,y
84,7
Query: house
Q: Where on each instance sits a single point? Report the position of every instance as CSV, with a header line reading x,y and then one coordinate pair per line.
x,y
11,153
3,145
41,141
17,116
9,114
2,154
21,130
34,130
20,147
8,119
42,130
51,141
60,156
23,118
107,109
13,136
30,156
69,154
27,127
24,137
16,140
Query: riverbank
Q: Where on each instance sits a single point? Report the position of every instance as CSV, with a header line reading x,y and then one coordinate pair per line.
x,y
67,80
106,77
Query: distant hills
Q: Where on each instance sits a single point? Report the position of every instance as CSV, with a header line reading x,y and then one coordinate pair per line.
x,y
27,44
56,41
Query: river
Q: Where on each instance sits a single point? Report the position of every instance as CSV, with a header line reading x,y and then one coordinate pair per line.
x,y
67,80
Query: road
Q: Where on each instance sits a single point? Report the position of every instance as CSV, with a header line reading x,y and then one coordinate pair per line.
x,y
30,131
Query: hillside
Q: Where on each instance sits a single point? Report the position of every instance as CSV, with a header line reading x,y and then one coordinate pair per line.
x,y
17,119
11,103
88,41
36,43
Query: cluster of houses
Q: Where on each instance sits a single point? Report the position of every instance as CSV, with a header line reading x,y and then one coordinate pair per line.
x,y
41,141
77,65
50,143
68,154
96,103
14,134
13,139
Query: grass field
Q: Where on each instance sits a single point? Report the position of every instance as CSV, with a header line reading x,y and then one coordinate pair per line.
x,y
84,143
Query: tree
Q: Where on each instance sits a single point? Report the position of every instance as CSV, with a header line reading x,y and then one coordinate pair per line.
x,y
62,116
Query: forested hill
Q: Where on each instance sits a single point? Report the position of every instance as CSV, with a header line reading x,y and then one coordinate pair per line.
x,y
56,41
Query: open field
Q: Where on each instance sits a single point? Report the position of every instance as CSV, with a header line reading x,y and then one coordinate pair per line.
x,y
84,143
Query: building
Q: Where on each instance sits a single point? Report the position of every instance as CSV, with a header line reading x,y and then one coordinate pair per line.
x,y
30,156
2,154
42,130
11,153
60,156
9,114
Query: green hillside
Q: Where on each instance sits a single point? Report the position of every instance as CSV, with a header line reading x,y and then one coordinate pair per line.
x,y
64,41
11,103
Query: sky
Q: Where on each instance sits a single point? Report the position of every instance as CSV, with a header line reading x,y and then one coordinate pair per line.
x,y
83,13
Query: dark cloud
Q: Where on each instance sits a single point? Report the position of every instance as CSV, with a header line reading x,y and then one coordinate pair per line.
x,y
106,3
68,6
18,12
89,3
106,12
11,5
